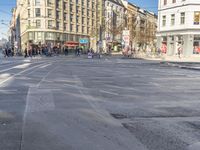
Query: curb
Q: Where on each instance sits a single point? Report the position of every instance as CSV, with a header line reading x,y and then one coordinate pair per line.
x,y
181,66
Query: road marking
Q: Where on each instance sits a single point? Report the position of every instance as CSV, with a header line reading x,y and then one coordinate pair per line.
x,y
19,73
22,66
43,79
25,65
4,75
108,92
37,69
45,66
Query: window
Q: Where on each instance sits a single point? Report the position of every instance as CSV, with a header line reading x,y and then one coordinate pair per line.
x,y
196,17
37,12
30,35
182,18
49,3
65,26
28,2
37,2
49,11
58,25
29,13
172,19
50,24
65,6
165,2
58,14
29,23
173,1
65,16
164,21
49,35
39,35
38,23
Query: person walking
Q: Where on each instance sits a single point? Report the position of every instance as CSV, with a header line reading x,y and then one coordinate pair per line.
x,y
30,51
25,53
179,51
66,51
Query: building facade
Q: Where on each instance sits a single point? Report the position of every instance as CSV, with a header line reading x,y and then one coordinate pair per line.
x,y
57,22
142,26
113,25
179,26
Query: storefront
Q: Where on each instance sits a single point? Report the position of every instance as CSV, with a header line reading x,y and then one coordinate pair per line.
x,y
196,44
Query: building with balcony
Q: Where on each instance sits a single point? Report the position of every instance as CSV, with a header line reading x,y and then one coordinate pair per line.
x,y
57,22
179,26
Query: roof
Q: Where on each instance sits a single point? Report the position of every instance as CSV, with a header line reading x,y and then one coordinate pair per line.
x,y
118,2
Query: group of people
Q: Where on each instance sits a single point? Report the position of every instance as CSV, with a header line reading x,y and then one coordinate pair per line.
x,y
33,51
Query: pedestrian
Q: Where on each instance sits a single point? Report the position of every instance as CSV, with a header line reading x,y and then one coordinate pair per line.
x,y
46,51
34,52
25,53
30,52
6,52
179,51
66,51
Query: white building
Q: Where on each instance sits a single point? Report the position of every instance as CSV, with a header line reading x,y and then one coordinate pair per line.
x,y
114,24
179,26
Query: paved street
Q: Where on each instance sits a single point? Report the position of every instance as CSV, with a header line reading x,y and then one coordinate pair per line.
x,y
67,103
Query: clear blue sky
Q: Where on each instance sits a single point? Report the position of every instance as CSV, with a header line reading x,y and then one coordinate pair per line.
x,y
7,5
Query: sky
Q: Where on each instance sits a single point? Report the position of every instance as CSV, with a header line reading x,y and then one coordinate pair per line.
x,y
7,5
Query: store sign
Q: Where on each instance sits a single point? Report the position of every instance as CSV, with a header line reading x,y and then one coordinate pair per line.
x,y
83,41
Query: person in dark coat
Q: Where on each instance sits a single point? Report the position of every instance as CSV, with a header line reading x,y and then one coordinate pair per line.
x,y
25,53
66,51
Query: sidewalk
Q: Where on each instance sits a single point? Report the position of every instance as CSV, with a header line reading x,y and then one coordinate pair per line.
x,y
191,59
192,63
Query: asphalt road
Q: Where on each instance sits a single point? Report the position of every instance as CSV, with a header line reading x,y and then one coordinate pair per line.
x,y
66,103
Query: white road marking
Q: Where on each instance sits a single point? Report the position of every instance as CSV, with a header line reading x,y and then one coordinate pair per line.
x,y
45,66
43,79
4,75
108,92
16,67
19,73
22,66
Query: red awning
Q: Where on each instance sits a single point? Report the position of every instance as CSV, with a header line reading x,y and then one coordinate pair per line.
x,y
71,44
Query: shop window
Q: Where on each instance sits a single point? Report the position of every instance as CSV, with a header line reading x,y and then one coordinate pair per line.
x,y
196,17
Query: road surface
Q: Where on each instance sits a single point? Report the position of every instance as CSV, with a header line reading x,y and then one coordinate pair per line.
x,y
67,103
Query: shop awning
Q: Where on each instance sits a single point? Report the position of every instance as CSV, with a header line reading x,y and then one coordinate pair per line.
x,y
71,44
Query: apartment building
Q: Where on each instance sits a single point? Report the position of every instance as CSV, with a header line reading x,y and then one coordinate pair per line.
x,y
142,27
57,22
113,24
179,26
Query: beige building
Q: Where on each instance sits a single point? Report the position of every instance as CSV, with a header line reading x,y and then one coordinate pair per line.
x,y
142,26
58,22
